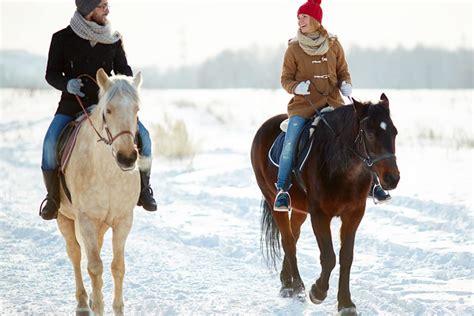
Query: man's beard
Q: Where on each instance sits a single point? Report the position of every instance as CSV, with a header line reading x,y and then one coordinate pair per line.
x,y
101,20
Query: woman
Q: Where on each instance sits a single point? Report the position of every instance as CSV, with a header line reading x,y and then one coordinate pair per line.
x,y
314,67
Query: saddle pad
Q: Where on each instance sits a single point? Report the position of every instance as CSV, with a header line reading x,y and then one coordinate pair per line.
x,y
66,142
303,148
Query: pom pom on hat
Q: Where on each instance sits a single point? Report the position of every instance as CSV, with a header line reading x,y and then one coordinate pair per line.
x,y
313,9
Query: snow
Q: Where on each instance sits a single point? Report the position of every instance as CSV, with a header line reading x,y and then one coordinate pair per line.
x,y
199,254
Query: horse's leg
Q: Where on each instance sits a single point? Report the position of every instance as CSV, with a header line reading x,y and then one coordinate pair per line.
x,y
348,230
100,236
120,233
322,229
66,226
289,246
286,280
90,236
297,219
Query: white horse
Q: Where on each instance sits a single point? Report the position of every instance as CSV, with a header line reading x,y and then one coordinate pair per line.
x,y
104,183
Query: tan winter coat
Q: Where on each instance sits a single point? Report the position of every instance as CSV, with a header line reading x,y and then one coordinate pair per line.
x,y
326,73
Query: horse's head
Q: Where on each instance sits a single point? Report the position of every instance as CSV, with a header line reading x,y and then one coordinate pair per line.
x,y
377,134
119,103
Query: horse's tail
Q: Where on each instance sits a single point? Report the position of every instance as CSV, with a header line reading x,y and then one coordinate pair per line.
x,y
270,236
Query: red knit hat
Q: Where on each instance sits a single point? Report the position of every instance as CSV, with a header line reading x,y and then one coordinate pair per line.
x,y
313,9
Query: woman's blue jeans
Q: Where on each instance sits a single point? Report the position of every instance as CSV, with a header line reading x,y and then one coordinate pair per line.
x,y
50,142
295,127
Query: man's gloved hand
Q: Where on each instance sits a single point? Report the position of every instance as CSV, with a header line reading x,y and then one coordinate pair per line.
x,y
346,89
302,88
74,87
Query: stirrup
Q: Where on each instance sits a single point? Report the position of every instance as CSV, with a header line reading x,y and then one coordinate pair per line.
x,y
47,198
281,209
376,200
147,188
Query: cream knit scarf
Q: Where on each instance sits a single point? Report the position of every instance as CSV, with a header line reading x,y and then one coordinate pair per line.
x,y
92,31
313,43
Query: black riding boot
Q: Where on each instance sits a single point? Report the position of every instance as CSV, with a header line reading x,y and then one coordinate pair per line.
x,y
377,192
146,193
50,209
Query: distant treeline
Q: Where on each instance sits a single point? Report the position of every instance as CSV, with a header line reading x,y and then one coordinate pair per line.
x,y
400,68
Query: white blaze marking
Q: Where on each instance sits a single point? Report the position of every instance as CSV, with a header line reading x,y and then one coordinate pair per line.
x,y
383,126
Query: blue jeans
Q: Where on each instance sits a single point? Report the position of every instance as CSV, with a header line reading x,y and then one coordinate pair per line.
x,y
50,143
295,126
145,148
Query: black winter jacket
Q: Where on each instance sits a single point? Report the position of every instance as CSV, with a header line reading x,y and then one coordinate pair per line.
x,y
71,56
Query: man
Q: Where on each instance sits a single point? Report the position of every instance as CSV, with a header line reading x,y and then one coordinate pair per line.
x,y
83,47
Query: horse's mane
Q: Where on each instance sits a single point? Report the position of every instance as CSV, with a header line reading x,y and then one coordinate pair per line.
x,y
332,147
121,86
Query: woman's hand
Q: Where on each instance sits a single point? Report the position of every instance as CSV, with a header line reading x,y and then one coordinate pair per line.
x,y
346,89
302,88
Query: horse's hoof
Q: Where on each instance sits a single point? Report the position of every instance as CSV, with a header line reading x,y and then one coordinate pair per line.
x,y
286,292
83,312
316,295
348,311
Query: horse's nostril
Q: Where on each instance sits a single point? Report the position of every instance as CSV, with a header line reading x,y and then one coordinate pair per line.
x,y
127,160
391,179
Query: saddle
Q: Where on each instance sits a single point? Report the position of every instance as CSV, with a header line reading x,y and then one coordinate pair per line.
x,y
304,145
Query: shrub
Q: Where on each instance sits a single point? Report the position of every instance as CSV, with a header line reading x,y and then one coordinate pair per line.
x,y
172,140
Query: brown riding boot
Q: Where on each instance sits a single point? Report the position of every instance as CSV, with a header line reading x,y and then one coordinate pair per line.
x,y
50,209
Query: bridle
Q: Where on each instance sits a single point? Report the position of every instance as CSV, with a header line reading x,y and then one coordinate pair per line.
x,y
361,139
110,138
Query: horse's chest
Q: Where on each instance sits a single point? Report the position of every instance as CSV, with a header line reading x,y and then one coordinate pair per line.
x,y
105,194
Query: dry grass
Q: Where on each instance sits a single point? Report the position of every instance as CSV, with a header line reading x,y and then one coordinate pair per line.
x,y
171,140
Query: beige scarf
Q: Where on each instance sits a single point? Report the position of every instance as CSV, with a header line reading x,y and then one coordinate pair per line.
x,y
92,31
313,43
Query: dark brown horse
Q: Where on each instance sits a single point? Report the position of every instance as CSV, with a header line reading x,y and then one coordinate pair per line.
x,y
354,141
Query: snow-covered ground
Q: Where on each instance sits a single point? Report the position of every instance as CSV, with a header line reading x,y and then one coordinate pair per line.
x,y
199,254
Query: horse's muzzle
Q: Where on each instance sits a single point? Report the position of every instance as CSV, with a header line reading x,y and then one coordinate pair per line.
x,y
390,180
127,162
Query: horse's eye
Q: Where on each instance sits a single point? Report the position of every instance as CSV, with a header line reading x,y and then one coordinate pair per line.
x,y
109,111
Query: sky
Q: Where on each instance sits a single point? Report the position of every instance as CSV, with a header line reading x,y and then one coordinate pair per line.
x,y
168,34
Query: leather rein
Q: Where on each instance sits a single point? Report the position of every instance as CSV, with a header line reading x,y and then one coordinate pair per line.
x,y
110,138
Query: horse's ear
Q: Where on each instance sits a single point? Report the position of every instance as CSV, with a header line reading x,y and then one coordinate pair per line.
x,y
137,80
102,79
384,101
359,108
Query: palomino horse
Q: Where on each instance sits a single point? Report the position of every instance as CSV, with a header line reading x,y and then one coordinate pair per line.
x,y
352,142
104,184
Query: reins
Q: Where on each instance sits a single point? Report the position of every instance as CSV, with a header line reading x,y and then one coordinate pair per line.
x,y
110,139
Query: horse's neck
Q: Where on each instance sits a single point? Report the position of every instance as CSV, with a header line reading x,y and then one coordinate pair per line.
x,y
334,143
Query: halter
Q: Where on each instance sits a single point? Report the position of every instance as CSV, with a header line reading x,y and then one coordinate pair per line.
x,y
360,138
110,138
